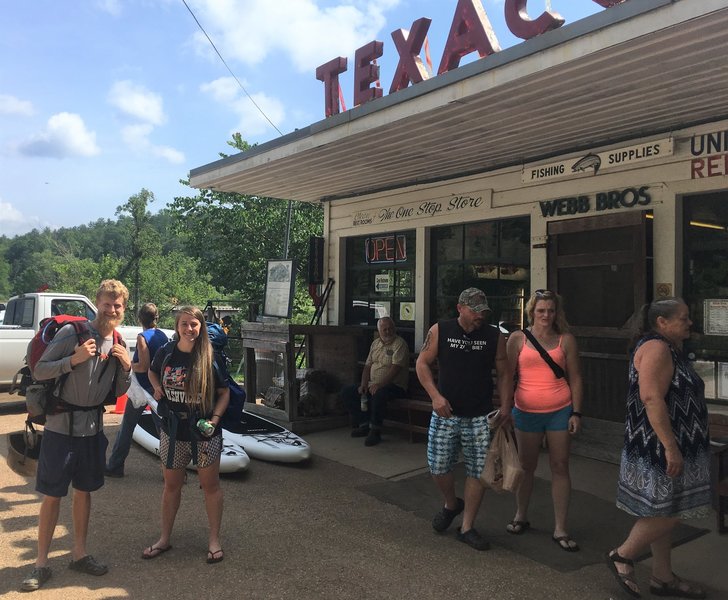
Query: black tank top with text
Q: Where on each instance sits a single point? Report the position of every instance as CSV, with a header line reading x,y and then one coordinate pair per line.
x,y
465,367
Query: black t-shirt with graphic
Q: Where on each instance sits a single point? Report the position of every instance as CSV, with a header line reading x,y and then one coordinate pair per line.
x,y
466,362
173,383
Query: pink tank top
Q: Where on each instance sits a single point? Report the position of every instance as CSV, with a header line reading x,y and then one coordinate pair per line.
x,y
538,389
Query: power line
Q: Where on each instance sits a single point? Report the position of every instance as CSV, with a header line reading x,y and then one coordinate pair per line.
x,y
260,110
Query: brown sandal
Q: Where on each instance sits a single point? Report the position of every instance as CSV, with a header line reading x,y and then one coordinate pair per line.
x,y
678,588
612,558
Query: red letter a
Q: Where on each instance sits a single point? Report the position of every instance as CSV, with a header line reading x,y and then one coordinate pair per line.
x,y
470,31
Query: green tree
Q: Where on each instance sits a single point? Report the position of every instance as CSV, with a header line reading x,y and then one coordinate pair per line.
x,y
5,289
135,221
173,279
233,235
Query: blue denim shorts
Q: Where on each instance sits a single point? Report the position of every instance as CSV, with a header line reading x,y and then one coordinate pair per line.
x,y
447,437
68,460
529,422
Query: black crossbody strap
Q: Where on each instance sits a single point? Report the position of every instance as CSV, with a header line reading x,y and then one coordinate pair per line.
x,y
558,371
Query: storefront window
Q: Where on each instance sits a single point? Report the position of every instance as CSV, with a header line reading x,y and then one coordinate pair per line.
x,y
705,284
380,274
491,255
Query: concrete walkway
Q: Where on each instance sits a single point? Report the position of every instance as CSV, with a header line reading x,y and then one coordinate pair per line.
x,y
300,532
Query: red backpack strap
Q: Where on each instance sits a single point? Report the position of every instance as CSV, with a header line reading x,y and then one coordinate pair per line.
x,y
118,339
83,331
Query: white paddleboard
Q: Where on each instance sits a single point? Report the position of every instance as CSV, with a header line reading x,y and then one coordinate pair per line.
x,y
258,437
266,440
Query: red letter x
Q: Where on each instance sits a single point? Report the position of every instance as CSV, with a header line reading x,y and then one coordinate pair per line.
x,y
410,67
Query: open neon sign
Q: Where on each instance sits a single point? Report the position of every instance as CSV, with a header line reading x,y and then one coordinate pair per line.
x,y
470,32
385,249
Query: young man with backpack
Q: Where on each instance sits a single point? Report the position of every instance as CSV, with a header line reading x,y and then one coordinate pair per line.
x,y
74,445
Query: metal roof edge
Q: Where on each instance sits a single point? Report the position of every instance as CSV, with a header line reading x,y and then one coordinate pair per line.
x,y
556,37
590,146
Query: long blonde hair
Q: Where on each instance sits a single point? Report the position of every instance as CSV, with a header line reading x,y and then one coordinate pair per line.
x,y
560,323
200,382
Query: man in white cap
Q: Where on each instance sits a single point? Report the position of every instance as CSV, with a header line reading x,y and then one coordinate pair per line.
x,y
466,350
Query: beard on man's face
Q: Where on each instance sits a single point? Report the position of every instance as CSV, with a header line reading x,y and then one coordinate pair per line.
x,y
105,321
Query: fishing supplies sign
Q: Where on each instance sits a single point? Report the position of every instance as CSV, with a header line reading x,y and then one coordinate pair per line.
x,y
592,162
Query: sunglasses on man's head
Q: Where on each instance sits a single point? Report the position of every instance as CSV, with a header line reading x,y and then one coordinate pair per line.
x,y
544,294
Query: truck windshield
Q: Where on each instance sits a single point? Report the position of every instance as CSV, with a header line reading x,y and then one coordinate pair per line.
x,y
77,308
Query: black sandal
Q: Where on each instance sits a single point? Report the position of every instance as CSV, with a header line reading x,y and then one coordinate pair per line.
x,y
518,527
612,558
566,543
678,588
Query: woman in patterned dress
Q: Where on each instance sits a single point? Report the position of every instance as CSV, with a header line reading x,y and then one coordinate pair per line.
x,y
665,470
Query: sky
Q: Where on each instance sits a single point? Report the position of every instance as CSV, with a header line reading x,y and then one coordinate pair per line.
x,y
101,98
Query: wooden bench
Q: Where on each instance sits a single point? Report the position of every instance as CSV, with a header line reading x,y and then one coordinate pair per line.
x,y
412,413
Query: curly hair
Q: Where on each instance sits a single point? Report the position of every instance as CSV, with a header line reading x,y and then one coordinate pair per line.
x,y
561,325
113,287
201,380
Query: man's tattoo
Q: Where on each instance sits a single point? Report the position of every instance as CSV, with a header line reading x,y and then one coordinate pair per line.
x,y
426,345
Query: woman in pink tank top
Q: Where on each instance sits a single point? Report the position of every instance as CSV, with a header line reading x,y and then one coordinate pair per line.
x,y
547,401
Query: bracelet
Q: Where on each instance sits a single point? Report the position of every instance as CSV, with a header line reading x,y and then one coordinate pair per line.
x,y
218,416
575,414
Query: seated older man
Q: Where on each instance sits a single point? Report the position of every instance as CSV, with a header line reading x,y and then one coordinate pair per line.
x,y
385,376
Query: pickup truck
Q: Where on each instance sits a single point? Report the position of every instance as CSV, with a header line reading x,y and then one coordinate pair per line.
x,y
23,313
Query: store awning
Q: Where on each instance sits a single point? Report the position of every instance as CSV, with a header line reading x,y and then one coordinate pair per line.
x,y
640,68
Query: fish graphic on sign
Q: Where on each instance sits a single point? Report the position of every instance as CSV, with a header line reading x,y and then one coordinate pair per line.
x,y
591,160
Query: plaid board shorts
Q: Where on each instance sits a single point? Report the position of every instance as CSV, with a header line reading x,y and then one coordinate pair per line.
x,y
208,452
447,437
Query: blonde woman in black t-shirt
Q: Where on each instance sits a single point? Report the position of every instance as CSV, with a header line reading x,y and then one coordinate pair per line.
x,y
189,389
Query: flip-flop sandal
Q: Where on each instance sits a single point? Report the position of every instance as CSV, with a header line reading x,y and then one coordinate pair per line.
x,y
563,543
155,551
215,556
518,527
677,588
612,558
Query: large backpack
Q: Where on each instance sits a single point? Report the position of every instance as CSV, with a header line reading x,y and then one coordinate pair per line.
x,y
43,397
218,340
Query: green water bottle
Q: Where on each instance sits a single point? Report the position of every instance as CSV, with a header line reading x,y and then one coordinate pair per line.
x,y
206,428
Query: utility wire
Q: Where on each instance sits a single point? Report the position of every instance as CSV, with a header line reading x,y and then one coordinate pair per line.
x,y
229,69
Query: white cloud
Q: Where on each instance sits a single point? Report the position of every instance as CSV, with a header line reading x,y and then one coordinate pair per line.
x,y
65,135
247,31
136,102
136,137
250,121
13,222
113,7
145,108
10,105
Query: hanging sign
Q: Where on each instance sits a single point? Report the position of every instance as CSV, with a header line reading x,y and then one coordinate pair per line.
x,y
594,162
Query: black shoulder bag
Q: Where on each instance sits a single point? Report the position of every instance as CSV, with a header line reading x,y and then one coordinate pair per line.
x,y
558,371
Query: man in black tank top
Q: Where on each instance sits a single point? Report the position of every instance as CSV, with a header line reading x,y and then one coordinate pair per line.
x,y
466,350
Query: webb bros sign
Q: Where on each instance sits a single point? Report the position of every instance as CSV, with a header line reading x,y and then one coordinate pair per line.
x,y
470,32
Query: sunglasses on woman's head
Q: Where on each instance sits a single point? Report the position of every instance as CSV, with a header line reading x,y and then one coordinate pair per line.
x,y
544,294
